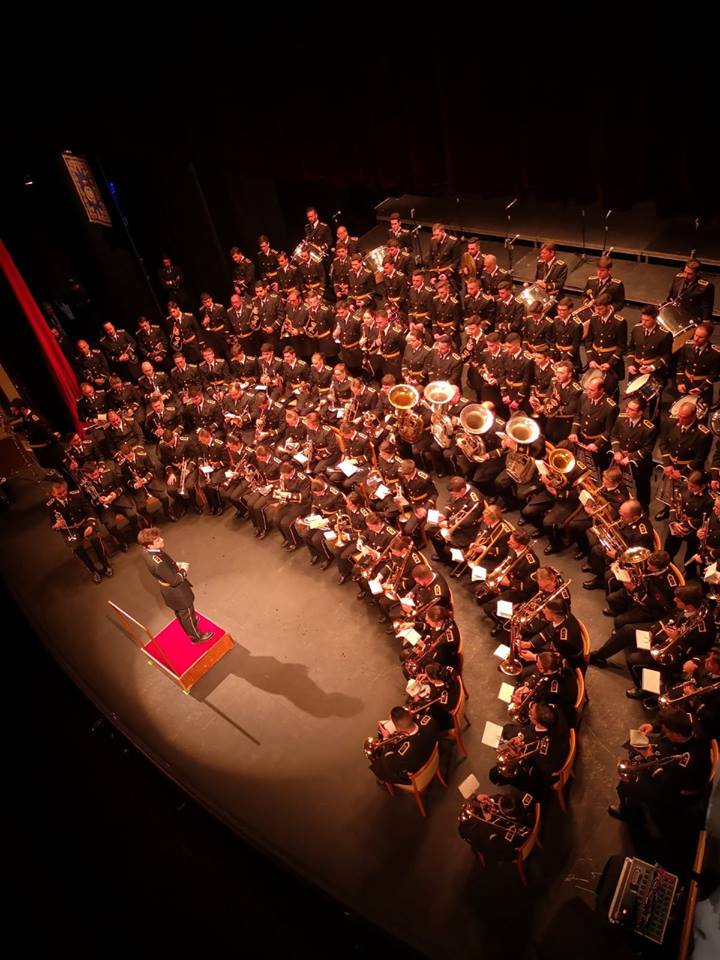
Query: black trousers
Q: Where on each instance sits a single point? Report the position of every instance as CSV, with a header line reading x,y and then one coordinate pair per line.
x,y
188,621
85,550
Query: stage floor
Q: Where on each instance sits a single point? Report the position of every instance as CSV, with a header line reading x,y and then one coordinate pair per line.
x,y
271,739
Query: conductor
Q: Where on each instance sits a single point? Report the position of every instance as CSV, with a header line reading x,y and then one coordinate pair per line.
x,y
176,589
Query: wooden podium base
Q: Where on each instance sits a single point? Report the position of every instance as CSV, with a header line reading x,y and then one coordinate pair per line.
x,y
172,651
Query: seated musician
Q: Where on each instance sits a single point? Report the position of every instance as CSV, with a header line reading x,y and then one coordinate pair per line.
x,y
290,498
374,546
430,589
232,486
637,606
691,504
709,535
356,450
265,473
383,483
703,677
560,634
420,492
458,526
139,474
549,584
690,633
490,545
73,516
552,681
327,502
634,530
394,575
533,752
615,492
173,449
102,485
497,826
663,802
212,461
436,688
346,547
439,642
404,750
291,435
511,580
488,466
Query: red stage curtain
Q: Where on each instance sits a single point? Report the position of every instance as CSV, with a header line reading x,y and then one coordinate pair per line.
x,y
62,372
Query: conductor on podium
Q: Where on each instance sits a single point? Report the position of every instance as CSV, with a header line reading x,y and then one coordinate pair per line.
x,y
175,588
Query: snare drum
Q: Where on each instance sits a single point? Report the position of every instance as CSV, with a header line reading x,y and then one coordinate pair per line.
x,y
316,253
701,408
535,294
584,315
676,321
374,261
645,387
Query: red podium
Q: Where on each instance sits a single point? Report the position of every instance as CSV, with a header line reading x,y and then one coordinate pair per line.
x,y
171,650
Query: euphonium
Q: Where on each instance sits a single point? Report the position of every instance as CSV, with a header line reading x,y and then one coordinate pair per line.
x,y
437,395
403,397
519,465
475,420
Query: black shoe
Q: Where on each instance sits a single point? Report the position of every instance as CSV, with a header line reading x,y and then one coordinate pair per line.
x,y
325,564
314,559
496,630
607,612
651,704
598,661
292,547
383,619
108,572
360,595
262,534
594,584
343,578
97,577
202,638
586,568
521,521
550,548
634,694
580,555
663,514
615,812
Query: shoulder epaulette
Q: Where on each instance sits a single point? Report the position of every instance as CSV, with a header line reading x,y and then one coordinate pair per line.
x,y
649,423
456,356
715,347
560,261
611,401
594,277
527,355
619,316
423,475
615,280
48,502
702,428
576,386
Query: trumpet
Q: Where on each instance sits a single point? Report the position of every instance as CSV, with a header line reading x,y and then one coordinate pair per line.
x,y
667,653
668,700
493,817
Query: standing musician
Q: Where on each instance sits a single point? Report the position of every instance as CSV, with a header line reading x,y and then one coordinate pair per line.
x,y
566,333
650,346
472,353
268,312
472,261
693,292
214,326
360,282
591,428
497,826
632,440
488,382
445,253
121,351
320,325
152,343
517,371
288,276
242,324
561,406
604,283
404,750
551,272
339,269
183,332
420,299
463,514
685,448
171,279
509,312
538,328
443,363
73,516
477,303
691,505
394,285
398,233
391,343
347,333
414,360
698,365
493,275
267,260
543,380
446,313
175,587
316,231
243,272
608,339
91,365
183,376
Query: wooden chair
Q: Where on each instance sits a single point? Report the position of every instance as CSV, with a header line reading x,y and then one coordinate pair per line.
x,y
714,760
565,772
585,642
580,701
526,849
678,574
657,542
459,720
420,780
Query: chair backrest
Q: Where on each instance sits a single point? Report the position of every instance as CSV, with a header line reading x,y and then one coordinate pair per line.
x,y
677,573
657,542
460,656
585,641
459,709
525,850
422,777
714,759
563,774
581,690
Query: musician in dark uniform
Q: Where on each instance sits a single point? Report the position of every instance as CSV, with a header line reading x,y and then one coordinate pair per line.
x,y
693,292
477,303
632,440
650,347
91,365
288,275
517,586
614,491
551,272
121,351
213,324
517,371
73,516
604,282
102,485
243,272
698,365
545,741
462,517
139,473
636,531
316,231
171,280
608,339
562,405
406,750
509,312
497,826
445,252
339,269
176,455
552,681
183,333
492,275
394,286
447,313
420,299
175,588
267,260
443,363
591,428
691,504
684,448
566,332
392,345
414,361
398,233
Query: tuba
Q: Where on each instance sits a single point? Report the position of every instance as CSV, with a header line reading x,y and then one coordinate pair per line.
x,y
437,395
475,420
519,464
403,397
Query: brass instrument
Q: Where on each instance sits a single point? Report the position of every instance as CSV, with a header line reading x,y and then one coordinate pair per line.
x,y
600,504
184,467
343,528
504,569
607,534
520,711
475,420
351,410
496,819
667,653
410,426
667,700
259,428
482,544
374,745
529,610
422,651
437,395
70,532
390,588
630,770
422,609
512,753
512,665
560,464
634,561
519,465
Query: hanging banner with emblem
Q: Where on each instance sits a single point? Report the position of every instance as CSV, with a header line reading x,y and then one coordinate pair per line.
x,y
84,181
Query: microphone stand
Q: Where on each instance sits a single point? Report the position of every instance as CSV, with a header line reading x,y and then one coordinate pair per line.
x,y
417,249
508,242
583,254
606,245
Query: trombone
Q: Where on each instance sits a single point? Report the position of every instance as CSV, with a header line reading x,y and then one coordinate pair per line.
x,y
482,544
